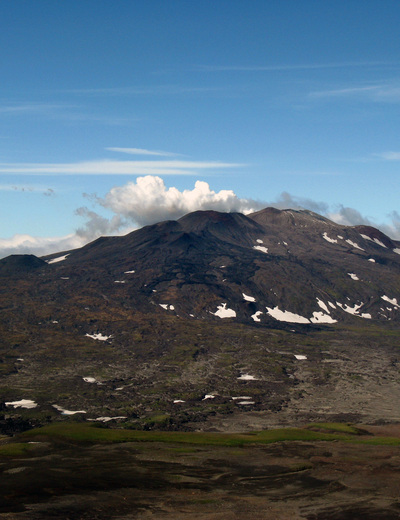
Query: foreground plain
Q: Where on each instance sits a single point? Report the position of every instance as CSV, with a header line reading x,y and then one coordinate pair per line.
x,y
320,472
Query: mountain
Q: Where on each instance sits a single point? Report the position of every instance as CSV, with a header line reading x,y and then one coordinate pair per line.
x,y
289,266
135,326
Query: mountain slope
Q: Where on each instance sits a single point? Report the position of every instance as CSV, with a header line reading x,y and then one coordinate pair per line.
x,y
216,319
291,266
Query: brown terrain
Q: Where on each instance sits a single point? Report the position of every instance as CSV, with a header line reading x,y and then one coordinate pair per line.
x,y
215,323
281,481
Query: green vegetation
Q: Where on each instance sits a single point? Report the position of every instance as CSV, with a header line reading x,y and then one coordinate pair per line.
x,y
14,449
78,432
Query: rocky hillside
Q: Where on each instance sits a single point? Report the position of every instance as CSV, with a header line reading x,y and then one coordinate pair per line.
x,y
288,266
282,314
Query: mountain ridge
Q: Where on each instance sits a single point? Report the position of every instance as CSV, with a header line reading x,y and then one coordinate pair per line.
x,y
288,265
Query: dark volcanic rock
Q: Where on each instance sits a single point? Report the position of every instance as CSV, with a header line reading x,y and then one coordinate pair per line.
x,y
15,265
271,266
284,263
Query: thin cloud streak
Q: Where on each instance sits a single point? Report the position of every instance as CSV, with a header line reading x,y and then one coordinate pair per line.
x,y
344,92
288,67
108,167
61,112
382,93
160,90
142,151
388,156
33,108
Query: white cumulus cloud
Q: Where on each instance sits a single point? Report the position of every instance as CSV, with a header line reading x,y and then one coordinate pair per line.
x,y
148,200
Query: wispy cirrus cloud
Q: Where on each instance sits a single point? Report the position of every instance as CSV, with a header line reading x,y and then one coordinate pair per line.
x,y
293,67
379,93
146,90
388,156
33,108
110,167
142,151
66,112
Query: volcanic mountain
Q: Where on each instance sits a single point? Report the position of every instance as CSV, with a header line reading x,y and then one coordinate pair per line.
x,y
289,266
181,310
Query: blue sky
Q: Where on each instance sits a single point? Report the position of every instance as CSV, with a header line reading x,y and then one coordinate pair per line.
x,y
270,103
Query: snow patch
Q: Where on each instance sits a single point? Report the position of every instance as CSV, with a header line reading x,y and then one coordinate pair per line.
x,y
354,310
393,301
286,316
256,315
245,402
355,245
374,240
92,380
23,403
379,243
371,260
58,259
67,412
353,276
119,281
247,377
241,397
129,272
248,298
322,305
223,312
167,307
178,401
89,380
98,336
320,317
300,356
259,241
397,250
208,396
261,248
331,240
